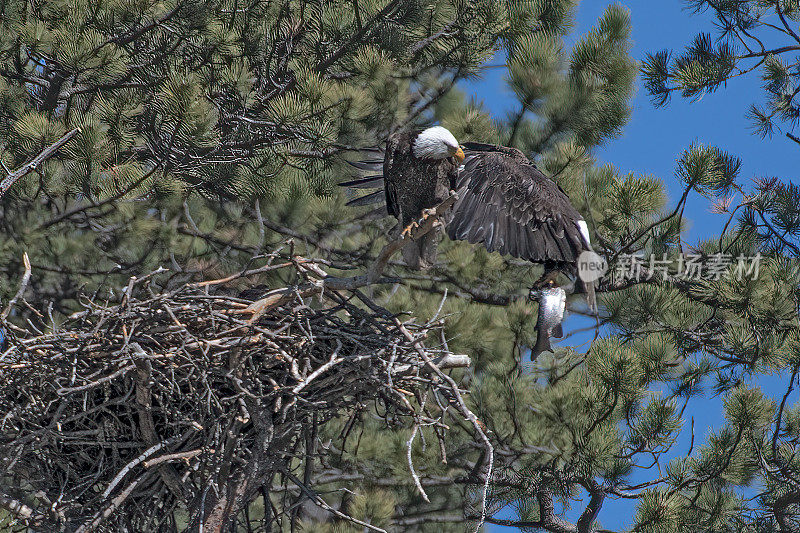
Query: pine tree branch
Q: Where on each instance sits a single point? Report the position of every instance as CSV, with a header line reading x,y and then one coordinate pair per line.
x,y
774,51
122,40
324,282
517,122
377,268
34,163
779,416
93,205
782,516
359,36
23,284
461,406
786,25
596,498
548,518
446,31
532,524
322,503
434,519
185,230
780,236
654,224
357,15
440,92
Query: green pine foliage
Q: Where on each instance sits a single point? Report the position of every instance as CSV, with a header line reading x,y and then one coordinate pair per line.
x,y
212,132
182,100
750,35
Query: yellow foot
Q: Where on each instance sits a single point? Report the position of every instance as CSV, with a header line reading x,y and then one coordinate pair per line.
x,y
547,281
426,213
407,232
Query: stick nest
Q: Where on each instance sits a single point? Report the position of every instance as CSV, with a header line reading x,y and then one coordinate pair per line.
x,y
172,409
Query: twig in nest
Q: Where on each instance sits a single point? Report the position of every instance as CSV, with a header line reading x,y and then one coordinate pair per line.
x,y
23,284
465,411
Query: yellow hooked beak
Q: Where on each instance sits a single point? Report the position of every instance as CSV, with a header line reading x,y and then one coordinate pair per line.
x,y
459,155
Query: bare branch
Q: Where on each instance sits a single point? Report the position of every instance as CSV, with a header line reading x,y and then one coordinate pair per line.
x,y
34,163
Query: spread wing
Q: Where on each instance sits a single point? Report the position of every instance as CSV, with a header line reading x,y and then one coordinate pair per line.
x,y
510,206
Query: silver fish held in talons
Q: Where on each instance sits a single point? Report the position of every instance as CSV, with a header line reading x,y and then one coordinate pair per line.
x,y
552,302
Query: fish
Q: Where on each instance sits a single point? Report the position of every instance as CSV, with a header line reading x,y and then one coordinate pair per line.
x,y
552,302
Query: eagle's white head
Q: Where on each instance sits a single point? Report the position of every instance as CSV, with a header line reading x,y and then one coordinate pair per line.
x,y
437,143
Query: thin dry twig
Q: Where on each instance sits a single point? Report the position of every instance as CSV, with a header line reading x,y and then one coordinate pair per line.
x,y
23,284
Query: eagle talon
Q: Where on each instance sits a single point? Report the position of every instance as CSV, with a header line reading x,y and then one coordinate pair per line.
x,y
426,214
407,232
548,280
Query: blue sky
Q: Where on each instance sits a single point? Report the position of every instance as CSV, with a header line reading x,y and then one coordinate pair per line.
x,y
654,138
652,142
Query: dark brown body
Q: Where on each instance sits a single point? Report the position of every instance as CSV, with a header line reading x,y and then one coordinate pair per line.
x,y
413,185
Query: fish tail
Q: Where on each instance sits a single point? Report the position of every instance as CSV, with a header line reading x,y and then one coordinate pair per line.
x,y
542,345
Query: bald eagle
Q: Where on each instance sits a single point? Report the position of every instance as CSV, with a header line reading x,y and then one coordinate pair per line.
x,y
504,201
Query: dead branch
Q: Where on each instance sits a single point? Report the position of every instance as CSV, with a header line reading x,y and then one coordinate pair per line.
x,y
34,163
23,284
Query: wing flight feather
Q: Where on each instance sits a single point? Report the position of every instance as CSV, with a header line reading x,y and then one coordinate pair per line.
x,y
510,206
372,198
